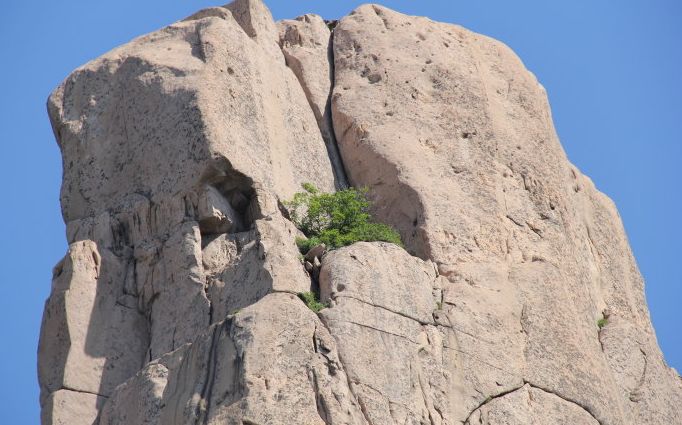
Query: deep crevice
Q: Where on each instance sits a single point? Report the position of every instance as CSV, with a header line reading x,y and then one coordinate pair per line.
x,y
325,123
335,153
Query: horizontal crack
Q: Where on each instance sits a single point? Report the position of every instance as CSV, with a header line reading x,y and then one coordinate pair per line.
x,y
473,356
407,316
378,330
454,328
63,387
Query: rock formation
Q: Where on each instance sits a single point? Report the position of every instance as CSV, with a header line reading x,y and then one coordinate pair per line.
x,y
176,302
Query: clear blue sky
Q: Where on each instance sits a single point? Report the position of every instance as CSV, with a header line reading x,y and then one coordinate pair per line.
x,y
612,68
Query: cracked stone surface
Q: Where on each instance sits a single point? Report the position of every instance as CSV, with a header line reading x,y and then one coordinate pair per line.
x,y
527,406
176,301
307,47
455,138
252,367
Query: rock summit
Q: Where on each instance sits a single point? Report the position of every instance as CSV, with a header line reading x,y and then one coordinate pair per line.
x,y
515,300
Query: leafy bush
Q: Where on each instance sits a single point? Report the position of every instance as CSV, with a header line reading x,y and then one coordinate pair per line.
x,y
311,300
602,322
336,219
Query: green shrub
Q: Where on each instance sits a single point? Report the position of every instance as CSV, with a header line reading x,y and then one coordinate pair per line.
x,y
331,24
336,219
602,322
312,301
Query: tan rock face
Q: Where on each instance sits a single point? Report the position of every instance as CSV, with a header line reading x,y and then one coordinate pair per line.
x,y
307,46
455,139
177,141
253,367
176,302
221,99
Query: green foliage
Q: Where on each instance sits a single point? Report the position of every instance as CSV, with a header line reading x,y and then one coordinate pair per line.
x,y
331,24
336,219
312,301
602,322
310,188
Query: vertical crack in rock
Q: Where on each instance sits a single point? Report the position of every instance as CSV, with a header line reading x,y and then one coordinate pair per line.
x,y
312,376
636,393
204,405
308,47
428,403
333,146
319,401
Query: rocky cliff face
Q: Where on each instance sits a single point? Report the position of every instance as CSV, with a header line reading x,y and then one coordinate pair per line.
x,y
176,302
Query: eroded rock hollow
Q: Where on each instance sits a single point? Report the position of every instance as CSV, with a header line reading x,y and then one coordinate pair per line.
x,y
176,302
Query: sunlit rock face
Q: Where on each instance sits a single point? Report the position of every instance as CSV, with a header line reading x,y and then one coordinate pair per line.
x,y
176,301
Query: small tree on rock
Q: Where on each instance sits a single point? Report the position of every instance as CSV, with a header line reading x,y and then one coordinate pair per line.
x,y
336,219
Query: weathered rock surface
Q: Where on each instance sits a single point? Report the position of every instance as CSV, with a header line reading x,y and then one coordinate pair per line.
x,y
307,46
455,139
529,405
176,302
253,367
191,103
181,138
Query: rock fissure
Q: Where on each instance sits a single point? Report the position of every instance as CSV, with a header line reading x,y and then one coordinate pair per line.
x,y
75,390
311,59
362,325
204,405
427,400
489,399
457,329
398,313
478,359
567,399
335,157
319,402
635,394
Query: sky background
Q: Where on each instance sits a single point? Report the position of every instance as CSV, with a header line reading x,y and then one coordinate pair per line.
x,y
612,68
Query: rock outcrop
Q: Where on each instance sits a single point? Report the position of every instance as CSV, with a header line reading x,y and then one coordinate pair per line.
x,y
176,302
